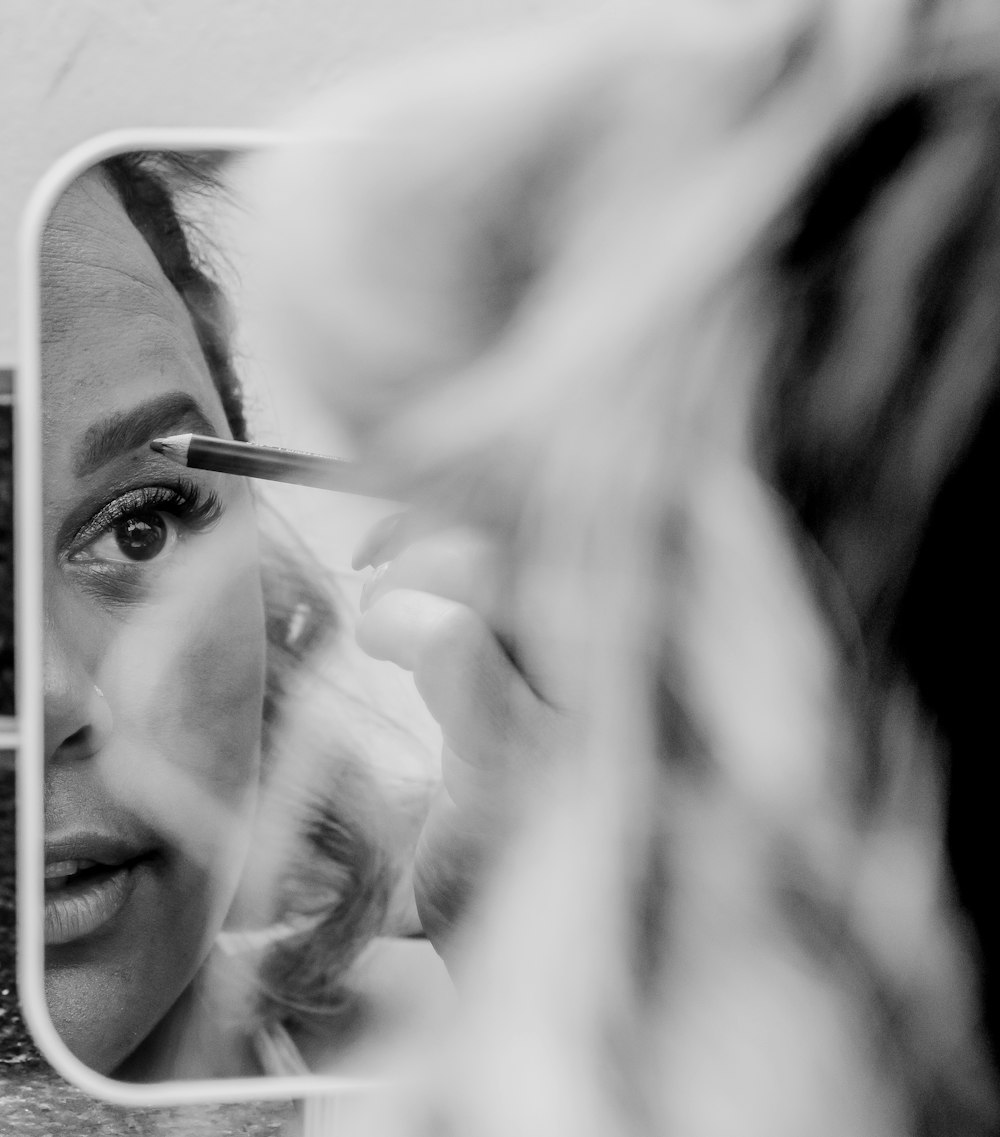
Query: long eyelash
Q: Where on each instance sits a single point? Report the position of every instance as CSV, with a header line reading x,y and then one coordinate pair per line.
x,y
185,500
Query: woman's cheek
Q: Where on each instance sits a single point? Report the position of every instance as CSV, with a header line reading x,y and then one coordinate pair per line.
x,y
187,690
219,689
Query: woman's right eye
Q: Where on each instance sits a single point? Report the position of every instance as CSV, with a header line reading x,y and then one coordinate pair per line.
x,y
139,537
144,525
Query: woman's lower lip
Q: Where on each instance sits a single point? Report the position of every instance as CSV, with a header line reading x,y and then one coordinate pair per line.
x,y
79,910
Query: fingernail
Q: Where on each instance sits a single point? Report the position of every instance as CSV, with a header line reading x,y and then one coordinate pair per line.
x,y
371,584
373,541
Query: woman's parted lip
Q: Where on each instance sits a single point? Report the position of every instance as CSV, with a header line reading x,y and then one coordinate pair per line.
x,y
101,848
89,878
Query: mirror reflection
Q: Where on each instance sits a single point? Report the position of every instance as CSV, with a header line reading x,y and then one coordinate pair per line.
x,y
231,800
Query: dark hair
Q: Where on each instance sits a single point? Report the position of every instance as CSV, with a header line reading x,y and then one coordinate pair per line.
x,y
884,417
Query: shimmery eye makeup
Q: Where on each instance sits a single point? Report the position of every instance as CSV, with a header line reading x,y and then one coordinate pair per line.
x,y
142,526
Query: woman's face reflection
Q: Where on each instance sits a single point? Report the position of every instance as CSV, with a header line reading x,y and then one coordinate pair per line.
x,y
154,665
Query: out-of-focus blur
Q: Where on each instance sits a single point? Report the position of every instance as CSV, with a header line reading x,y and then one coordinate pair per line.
x,y
669,327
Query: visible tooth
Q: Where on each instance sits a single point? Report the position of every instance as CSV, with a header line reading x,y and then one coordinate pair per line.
x,y
66,868
61,868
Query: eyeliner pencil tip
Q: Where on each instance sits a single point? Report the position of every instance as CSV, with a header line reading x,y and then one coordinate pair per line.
x,y
244,459
173,446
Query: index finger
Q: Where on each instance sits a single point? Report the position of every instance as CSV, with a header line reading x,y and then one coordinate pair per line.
x,y
459,564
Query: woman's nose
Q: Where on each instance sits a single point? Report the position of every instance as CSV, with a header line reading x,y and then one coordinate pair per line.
x,y
77,715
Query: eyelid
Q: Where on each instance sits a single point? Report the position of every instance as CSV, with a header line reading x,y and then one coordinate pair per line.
x,y
197,508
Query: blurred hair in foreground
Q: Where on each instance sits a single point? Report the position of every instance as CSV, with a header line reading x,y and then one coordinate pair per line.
x,y
698,317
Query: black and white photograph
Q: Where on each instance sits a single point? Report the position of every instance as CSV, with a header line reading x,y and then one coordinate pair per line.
x,y
496,617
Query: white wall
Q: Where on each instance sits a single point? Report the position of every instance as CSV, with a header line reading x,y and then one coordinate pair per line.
x,y
70,69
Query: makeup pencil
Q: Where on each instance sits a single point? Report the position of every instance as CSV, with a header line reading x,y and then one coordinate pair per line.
x,y
275,464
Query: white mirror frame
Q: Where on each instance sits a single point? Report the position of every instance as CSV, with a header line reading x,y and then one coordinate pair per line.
x,y
29,609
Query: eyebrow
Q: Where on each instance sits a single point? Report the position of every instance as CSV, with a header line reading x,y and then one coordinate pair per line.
x,y
125,431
